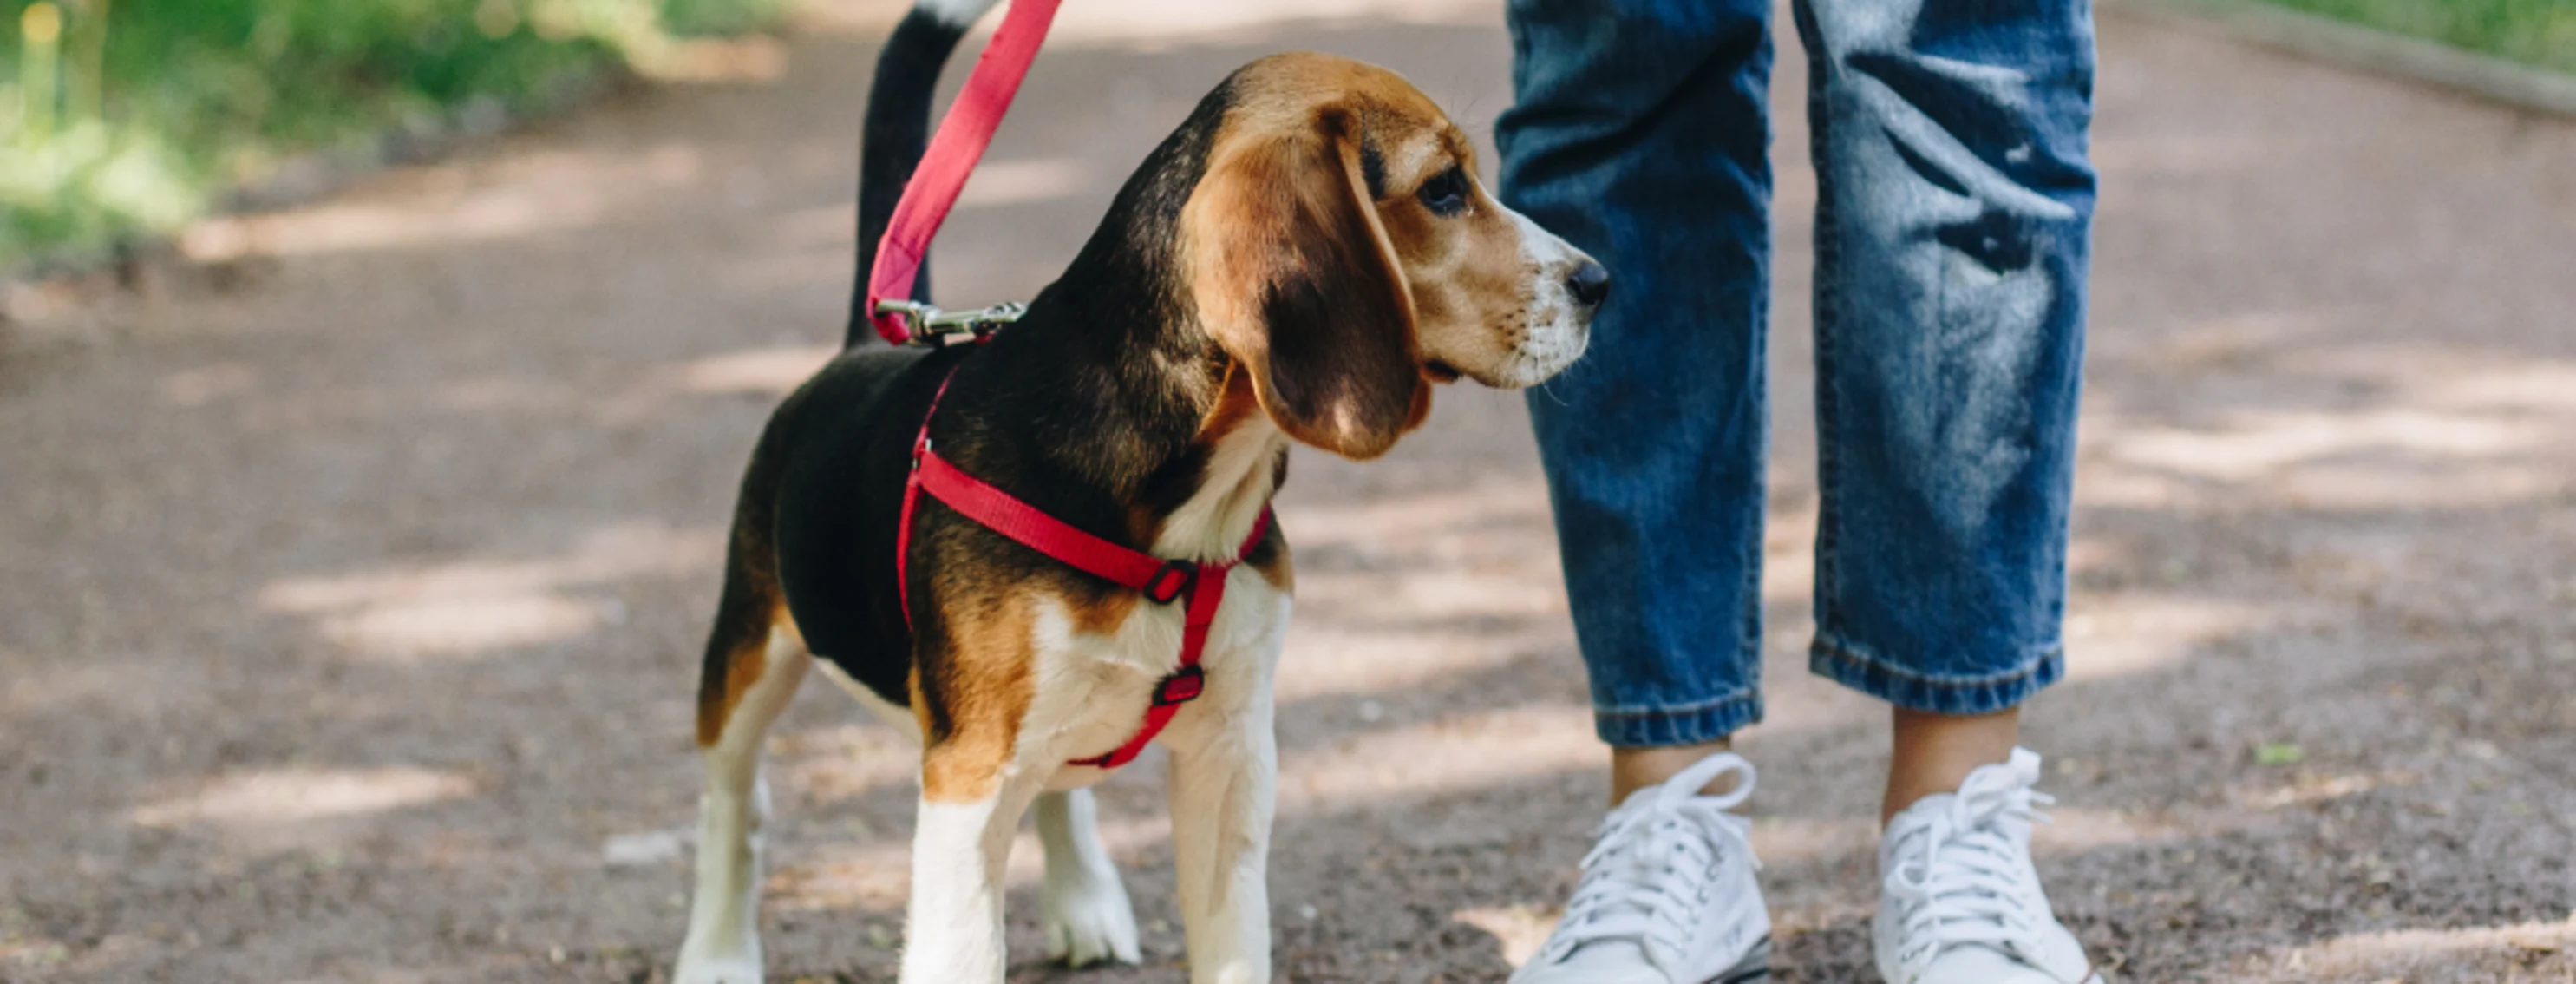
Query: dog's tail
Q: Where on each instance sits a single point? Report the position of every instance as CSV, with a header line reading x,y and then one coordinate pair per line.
x,y
898,130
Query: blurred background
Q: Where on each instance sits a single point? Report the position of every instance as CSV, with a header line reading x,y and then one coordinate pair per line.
x,y
375,377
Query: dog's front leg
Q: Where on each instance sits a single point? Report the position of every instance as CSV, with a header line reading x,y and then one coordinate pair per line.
x,y
1225,778
953,931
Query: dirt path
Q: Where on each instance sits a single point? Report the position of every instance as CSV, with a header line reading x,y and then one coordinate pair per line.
x,y
348,617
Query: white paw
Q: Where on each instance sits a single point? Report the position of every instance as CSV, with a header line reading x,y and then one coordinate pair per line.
x,y
1089,921
717,970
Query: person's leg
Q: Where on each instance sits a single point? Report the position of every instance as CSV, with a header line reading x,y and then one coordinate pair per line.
x,y
1951,248
1951,245
1933,753
1640,134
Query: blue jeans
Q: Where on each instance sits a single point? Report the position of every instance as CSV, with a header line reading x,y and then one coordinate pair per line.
x,y
1951,242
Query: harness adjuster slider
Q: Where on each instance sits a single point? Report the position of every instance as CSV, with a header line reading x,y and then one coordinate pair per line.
x,y
1172,582
1181,687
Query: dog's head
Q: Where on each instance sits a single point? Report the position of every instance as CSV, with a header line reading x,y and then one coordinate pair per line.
x,y
1340,247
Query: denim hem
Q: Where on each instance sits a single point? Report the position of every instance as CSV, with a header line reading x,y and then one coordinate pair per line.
x,y
1845,663
1688,724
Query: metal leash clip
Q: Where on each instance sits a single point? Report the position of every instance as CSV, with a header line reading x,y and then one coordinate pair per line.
x,y
934,328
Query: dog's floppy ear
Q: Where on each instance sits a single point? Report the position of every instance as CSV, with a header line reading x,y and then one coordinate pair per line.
x,y
1293,274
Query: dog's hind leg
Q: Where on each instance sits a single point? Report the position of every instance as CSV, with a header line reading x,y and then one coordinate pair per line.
x,y
754,662
1087,916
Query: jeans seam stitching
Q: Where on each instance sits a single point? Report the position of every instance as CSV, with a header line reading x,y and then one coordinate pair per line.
x,y
1833,648
1677,710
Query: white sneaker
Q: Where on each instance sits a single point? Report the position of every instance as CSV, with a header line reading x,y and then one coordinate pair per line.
x,y
1962,903
1668,894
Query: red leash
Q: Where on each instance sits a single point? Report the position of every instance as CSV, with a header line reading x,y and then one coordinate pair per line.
x,y
1161,581
963,135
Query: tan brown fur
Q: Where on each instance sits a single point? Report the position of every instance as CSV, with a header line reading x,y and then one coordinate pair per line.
x,y
751,609
1467,274
1097,613
1417,298
985,691
1283,214
742,669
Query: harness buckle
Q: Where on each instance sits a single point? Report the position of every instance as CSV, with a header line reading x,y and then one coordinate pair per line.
x,y
1181,687
1180,576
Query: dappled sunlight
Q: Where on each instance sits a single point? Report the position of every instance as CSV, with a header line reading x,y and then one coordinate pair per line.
x,y
1464,754
1164,22
1323,661
256,799
1436,593
2082,830
770,373
844,762
475,622
197,386
1471,566
2263,443
53,686
1785,840
1519,930
1158,24
2546,389
1454,754
2307,788
2531,951
2436,430
1455,516
2169,155
539,192
875,875
1003,183
2236,341
2131,632
472,607
867,870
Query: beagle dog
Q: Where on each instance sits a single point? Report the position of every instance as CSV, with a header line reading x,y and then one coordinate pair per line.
x,y
1298,263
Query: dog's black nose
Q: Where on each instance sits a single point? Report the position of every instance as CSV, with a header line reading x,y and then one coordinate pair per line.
x,y
1590,284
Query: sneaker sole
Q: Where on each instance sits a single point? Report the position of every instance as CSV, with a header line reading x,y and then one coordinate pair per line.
x,y
1756,966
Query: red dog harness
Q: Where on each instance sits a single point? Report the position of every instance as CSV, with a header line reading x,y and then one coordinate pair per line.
x,y
963,135
1161,581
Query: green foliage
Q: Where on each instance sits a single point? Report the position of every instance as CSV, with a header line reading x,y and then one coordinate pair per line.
x,y
141,111
2537,32
691,18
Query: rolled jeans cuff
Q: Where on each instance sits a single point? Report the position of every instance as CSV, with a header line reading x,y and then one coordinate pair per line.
x,y
1852,665
1669,726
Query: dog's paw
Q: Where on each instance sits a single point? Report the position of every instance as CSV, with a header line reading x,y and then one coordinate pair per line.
x,y
717,970
1089,922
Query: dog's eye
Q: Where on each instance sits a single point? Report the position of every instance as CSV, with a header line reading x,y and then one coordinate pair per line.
x,y
1446,194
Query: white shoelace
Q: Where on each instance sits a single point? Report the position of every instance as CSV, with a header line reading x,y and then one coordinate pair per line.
x,y
1647,877
1962,883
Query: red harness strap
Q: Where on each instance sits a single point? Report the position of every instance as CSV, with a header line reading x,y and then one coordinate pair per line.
x,y
963,135
1162,581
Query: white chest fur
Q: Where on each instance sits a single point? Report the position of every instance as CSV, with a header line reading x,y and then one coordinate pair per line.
x,y
1092,689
